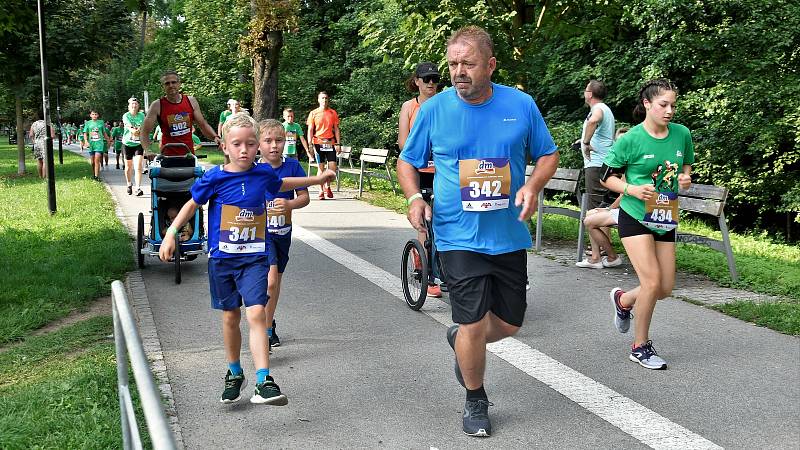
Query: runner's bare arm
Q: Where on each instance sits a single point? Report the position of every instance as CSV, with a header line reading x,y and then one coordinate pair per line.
x,y
527,195
149,124
408,177
301,200
616,184
402,126
204,126
338,136
685,177
305,145
290,183
168,244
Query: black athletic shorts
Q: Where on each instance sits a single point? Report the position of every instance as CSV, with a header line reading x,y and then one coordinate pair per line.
x,y
324,156
479,283
628,226
131,151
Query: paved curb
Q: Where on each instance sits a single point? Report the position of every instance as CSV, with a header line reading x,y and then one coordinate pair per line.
x,y
137,297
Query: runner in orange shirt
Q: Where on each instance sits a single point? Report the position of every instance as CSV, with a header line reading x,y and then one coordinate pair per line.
x,y
323,127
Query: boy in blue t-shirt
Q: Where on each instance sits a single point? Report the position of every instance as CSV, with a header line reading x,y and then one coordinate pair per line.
x,y
238,250
279,213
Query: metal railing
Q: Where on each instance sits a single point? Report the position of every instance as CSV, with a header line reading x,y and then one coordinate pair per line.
x,y
128,342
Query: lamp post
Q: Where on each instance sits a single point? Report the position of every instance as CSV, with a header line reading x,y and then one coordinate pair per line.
x,y
60,128
51,180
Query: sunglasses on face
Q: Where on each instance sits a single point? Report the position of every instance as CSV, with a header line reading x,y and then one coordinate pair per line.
x,y
430,78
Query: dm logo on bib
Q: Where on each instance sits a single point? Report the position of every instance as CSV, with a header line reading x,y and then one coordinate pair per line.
x,y
662,199
245,215
485,168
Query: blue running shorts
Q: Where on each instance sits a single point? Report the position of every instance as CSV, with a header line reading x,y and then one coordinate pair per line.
x,y
237,281
279,250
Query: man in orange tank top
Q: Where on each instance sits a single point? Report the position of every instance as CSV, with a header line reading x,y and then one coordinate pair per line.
x,y
323,128
175,113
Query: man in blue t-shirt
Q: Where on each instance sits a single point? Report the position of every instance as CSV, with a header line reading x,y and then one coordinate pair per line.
x,y
480,136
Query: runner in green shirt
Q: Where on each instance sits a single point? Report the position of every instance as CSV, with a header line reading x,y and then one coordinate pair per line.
x,y
293,131
95,139
116,135
132,121
656,158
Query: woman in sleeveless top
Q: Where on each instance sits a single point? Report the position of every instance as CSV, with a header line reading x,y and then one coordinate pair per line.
x,y
425,81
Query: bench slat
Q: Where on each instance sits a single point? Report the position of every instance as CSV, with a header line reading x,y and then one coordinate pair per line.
x,y
562,211
688,238
561,185
710,207
373,159
375,152
567,174
705,191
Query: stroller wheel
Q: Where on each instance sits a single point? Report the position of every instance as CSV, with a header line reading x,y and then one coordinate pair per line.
x,y
177,256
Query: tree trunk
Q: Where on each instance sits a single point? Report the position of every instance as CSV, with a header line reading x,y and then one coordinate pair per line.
x,y
144,26
20,136
265,78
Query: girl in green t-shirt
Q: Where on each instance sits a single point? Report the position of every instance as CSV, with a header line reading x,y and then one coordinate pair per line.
x,y
656,158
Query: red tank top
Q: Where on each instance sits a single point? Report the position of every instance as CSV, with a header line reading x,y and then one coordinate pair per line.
x,y
175,120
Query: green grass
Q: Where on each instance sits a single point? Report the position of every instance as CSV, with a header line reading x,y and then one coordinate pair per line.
x,y
763,266
781,316
54,264
213,155
59,390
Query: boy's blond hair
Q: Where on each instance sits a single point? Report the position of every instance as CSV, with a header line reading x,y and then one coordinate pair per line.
x,y
270,124
240,120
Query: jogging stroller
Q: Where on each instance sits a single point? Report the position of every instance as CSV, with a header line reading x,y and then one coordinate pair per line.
x,y
171,180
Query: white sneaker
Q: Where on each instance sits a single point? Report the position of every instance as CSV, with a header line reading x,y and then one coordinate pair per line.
x,y
615,263
586,264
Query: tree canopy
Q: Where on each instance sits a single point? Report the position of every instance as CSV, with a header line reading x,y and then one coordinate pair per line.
x,y
735,63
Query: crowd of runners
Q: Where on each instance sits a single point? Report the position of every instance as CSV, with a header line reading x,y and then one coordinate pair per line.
x,y
462,167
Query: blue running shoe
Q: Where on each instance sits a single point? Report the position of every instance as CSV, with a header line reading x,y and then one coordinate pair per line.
x,y
622,317
647,357
476,418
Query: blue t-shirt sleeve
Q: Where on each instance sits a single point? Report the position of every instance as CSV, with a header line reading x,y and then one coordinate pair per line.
x,y
417,149
203,189
273,180
540,141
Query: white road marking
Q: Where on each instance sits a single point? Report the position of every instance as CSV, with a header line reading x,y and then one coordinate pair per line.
x,y
632,418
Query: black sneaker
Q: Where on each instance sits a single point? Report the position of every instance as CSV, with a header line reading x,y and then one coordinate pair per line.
x,y
269,393
647,357
139,193
130,190
451,339
233,387
274,340
476,418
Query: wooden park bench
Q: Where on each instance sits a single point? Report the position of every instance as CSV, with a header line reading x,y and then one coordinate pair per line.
x,y
373,164
708,199
699,198
564,180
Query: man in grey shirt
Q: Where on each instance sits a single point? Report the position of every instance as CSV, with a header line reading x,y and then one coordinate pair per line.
x,y
596,139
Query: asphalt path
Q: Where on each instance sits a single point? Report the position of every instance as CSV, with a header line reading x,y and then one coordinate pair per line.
x,y
363,370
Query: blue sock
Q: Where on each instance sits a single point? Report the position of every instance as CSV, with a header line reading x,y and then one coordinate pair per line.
x,y
261,375
235,368
269,332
